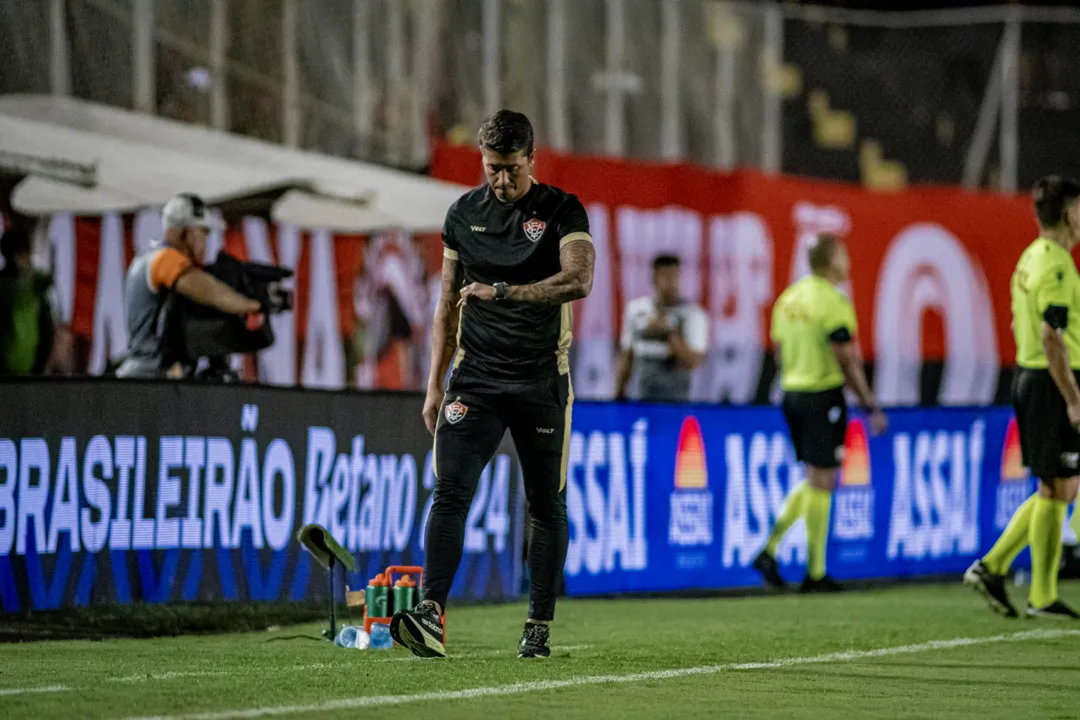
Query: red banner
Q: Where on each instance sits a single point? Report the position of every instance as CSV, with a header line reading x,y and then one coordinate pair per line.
x,y
361,303
930,278
930,266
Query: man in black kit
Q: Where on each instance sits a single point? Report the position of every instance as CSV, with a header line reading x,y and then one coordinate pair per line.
x,y
516,254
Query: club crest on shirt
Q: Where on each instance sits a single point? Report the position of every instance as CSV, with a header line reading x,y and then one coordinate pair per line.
x,y
455,411
534,229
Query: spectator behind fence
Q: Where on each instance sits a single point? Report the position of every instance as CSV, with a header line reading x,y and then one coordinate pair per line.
x,y
27,309
664,337
172,265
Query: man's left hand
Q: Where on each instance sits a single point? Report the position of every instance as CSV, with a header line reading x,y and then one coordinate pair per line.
x,y
476,291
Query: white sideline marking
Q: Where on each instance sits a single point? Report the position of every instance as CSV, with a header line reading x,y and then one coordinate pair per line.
x,y
542,685
42,689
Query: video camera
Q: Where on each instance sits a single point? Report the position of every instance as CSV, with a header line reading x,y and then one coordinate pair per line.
x,y
189,331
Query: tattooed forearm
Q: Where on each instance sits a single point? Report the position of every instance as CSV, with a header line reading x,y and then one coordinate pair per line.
x,y
573,282
444,329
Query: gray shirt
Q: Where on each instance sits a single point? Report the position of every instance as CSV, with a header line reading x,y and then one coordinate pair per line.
x,y
656,374
151,275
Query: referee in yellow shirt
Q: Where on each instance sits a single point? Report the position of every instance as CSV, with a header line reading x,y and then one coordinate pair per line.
x,y
813,333
1045,292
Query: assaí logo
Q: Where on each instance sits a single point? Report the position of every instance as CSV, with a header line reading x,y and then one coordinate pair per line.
x,y
1015,485
761,471
605,500
935,508
691,523
854,500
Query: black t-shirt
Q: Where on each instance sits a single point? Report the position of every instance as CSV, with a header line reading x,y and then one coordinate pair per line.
x,y
509,342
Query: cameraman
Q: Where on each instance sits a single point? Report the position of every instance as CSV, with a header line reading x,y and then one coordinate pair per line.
x,y
172,265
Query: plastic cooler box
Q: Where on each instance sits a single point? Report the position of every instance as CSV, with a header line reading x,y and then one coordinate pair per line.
x,y
389,574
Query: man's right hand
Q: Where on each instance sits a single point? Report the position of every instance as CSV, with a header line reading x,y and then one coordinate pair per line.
x,y
432,405
1074,416
656,329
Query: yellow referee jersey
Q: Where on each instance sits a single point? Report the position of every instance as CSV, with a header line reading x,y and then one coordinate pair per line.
x,y
1045,277
808,317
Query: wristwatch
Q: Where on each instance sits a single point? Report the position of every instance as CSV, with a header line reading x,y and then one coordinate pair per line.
x,y
500,290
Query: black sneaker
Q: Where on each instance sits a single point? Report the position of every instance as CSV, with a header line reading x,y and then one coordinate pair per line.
x,y
824,584
1070,563
534,642
766,564
1056,610
420,630
991,586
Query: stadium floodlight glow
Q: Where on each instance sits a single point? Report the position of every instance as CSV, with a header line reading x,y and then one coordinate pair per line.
x,y
81,174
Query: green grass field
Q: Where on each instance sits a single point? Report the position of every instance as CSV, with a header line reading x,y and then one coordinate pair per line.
x,y
908,652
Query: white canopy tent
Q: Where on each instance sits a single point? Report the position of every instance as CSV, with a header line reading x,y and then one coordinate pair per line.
x,y
140,160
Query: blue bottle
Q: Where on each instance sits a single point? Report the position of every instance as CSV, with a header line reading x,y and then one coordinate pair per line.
x,y
380,637
346,638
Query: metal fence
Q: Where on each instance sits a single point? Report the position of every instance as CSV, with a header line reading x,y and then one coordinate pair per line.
x,y
979,96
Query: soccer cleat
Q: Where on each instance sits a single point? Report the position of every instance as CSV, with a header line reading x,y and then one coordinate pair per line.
x,y
991,586
824,584
1070,563
534,642
766,564
394,634
420,630
1056,610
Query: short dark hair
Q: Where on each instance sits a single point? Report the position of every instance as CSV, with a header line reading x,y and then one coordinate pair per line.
x,y
1051,194
506,132
665,261
821,251
15,240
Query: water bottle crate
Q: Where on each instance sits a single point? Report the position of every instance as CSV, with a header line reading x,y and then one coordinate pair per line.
x,y
373,599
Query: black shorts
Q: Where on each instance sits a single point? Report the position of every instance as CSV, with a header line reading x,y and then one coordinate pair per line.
x,y
1049,445
476,413
818,424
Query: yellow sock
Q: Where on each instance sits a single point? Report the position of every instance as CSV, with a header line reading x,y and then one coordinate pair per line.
x,y
1075,522
818,505
792,511
1013,539
1045,538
